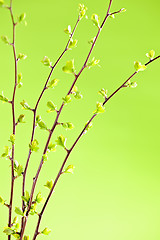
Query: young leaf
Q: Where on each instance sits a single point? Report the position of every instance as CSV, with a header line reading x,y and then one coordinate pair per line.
x,y
52,107
21,56
112,16
82,11
26,197
26,238
68,125
49,184
2,200
7,152
123,10
42,125
38,119
69,169
1,3
89,126
103,92
19,170
77,95
16,235
45,157
69,67
67,99
25,105
15,220
19,211
139,67
51,147
8,231
21,118
21,17
12,138
151,54
93,63
46,61
96,20
53,83
46,231
100,108
68,30
3,98
34,146
91,41
39,198
72,44
131,84
61,141
5,39
19,83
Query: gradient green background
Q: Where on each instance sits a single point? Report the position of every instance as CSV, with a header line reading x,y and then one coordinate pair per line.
x,y
114,193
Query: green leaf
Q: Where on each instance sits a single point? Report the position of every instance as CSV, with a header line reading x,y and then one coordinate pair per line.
x,y
3,98
38,119
51,147
12,138
112,16
46,61
139,67
68,30
46,231
89,126
2,200
21,17
34,146
67,99
26,238
68,125
25,105
39,198
42,125
69,169
7,152
96,20
82,11
26,197
53,83
91,41
52,107
8,231
45,157
151,54
16,235
5,39
131,84
78,95
15,220
61,141
49,184
69,67
21,118
103,92
100,108
19,83
19,211
93,63
21,56
72,44
19,170
1,3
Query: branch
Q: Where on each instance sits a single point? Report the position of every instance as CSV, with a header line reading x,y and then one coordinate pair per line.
x,y
14,121
35,111
71,149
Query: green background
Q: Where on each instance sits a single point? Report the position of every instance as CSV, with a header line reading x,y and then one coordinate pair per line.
x,y
114,193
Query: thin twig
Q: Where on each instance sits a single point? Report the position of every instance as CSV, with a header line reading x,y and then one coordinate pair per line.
x,y
14,121
71,149
35,111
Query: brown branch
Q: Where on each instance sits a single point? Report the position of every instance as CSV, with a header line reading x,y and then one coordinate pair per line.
x,y
35,111
13,120
71,149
